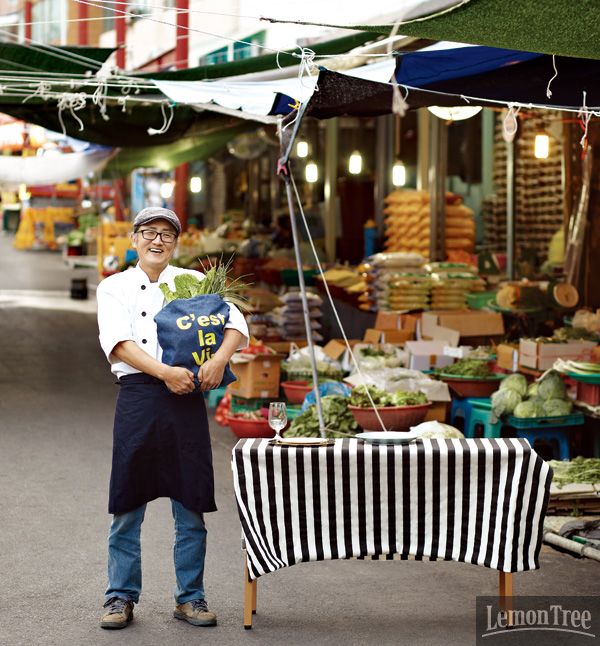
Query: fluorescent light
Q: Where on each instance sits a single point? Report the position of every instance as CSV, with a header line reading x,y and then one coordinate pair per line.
x,y
355,163
302,149
196,184
541,146
455,114
398,174
86,203
311,172
166,190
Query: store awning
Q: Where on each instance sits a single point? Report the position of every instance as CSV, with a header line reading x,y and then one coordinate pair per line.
x,y
52,168
561,27
169,156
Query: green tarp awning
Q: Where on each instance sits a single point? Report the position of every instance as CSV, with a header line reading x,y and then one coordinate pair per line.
x,y
561,27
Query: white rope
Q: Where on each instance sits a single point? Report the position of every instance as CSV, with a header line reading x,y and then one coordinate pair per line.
x,y
333,307
72,102
43,91
585,114
510,124
399,105
548,90
307,66
166,121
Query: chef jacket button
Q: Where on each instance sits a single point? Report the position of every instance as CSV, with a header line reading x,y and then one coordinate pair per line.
x,y
144,341
143,313
143,286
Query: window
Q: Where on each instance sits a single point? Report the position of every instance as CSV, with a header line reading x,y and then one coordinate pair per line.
x,y
45,11
236,51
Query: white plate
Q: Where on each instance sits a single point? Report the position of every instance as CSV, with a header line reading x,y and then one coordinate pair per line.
x,y
389,437
303,441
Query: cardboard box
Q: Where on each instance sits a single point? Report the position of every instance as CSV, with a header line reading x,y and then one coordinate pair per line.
x,y
425,355
283,347
437,412
465,322
507,357
374,335
257,375
541,356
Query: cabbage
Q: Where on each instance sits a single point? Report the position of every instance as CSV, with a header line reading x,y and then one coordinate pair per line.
x,y
551,386
434,429
557,407
532,390
529,408
515,382
505,401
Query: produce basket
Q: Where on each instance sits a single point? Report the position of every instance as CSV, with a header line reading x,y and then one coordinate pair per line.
x,y
472,386
395,418
574,419
296,391
250,427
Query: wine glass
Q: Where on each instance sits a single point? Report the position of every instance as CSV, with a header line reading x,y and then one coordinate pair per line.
x,y
277,417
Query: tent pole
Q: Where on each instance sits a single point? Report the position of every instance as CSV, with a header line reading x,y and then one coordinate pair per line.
x,y
309,339
330,188
510,209
438,163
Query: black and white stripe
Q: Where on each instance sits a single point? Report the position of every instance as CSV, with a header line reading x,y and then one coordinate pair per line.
x,y
479,501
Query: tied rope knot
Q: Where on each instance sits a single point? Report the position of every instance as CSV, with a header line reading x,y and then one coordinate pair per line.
x,y
101,92
43,90
308,67
399,104
510,124
166,120
71,101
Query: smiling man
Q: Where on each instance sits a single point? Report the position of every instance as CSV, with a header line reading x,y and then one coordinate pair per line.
x,y
161,442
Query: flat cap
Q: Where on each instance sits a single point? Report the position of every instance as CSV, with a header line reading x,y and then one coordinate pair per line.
x,y
151,213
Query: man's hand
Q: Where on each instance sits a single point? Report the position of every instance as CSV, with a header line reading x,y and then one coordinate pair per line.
x,y
179,380
210,374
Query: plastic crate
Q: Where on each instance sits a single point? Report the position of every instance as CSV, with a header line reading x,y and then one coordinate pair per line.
x,y
574,419
291,278
244,405
480,300
588,393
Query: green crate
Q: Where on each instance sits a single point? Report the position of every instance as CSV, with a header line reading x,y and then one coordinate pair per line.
x,y
480,300
244,405
291,278
293,411
574,419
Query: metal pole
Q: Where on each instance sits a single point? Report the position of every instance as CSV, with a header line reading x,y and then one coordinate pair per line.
x,y
424,118
311,348
182,172
438,162
330,187
510,209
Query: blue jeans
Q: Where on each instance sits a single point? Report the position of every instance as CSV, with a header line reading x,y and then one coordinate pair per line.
x,y
125,554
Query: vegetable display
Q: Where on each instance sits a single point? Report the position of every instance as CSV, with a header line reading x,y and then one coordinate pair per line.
x,y
579,470
215,281
546,397
381,399
467,368
338,420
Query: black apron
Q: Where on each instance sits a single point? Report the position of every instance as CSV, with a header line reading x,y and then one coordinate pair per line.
x,y
161,447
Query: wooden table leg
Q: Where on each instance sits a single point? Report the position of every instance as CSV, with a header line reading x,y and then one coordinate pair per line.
x,y
249,598
505,591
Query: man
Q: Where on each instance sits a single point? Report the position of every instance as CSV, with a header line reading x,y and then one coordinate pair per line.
x,y
161,443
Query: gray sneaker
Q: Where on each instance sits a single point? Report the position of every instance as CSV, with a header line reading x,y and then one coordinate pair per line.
x,y
195,612
119,613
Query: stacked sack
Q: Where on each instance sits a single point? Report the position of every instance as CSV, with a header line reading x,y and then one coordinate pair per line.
x,y
451,282
291,318
408,223
398,281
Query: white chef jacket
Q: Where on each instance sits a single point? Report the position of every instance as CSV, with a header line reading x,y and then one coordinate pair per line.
x,y
127,305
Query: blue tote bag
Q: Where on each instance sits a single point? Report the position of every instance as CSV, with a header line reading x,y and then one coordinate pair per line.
x,y
191,330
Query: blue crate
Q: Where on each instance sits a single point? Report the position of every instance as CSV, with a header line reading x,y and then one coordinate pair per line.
x,y
574,419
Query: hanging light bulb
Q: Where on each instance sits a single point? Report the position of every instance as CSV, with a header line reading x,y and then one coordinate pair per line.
x,y
195,184
311,172
458,113
355,163
166,190
398,174
541,146
302,149
24,194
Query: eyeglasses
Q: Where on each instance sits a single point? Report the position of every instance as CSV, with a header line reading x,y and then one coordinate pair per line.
x,y
150,234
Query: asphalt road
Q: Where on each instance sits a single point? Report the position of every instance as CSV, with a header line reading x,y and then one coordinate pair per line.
x,y
56,407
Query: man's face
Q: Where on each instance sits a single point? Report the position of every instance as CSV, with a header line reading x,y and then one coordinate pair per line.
x,y
155,253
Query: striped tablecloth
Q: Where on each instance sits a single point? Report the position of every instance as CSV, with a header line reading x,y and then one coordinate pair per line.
x,y
479,501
